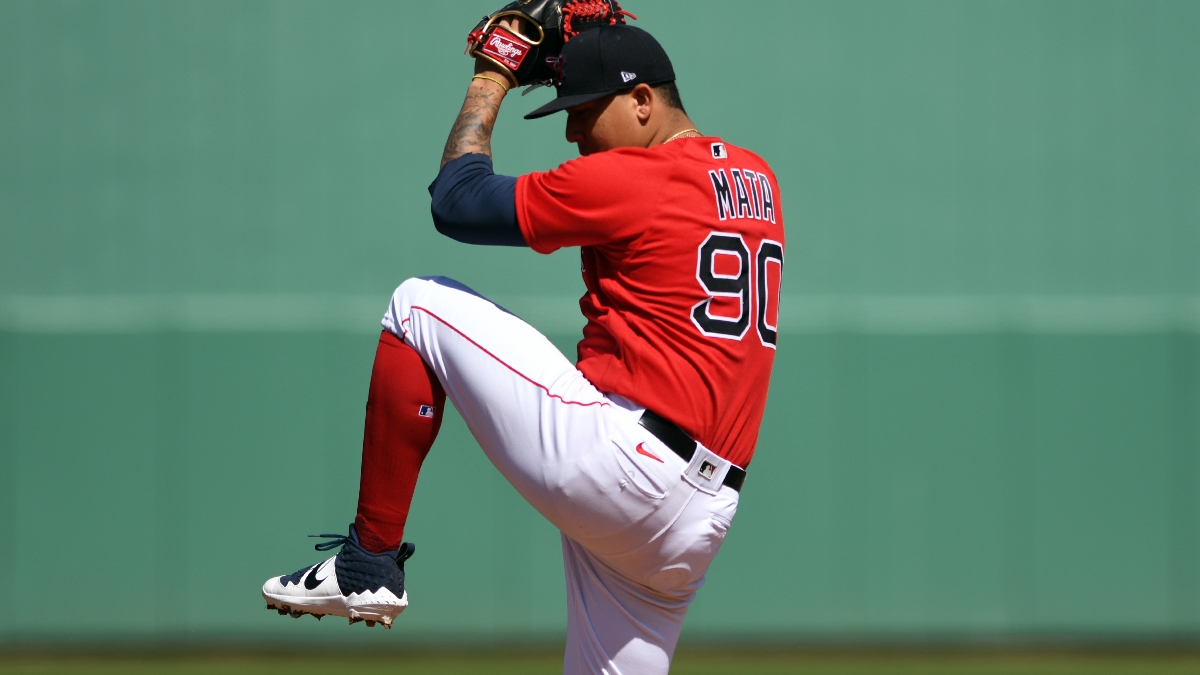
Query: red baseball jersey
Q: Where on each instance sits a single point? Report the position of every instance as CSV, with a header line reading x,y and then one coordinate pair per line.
x,y
682,248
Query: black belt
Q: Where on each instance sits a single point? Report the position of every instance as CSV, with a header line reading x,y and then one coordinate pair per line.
x,y
674,438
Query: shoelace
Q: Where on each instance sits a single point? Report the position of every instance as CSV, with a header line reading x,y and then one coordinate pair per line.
x,y
338,540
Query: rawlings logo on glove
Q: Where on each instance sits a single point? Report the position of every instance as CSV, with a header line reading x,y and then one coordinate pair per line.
x,y
551,23
505,48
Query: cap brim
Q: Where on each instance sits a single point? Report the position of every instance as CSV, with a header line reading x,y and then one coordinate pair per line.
x,y
564,102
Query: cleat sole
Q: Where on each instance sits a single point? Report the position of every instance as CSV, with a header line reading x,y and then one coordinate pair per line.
x,y
294,612
318,607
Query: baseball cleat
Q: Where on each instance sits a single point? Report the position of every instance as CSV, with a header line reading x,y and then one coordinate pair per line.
x,y
355,583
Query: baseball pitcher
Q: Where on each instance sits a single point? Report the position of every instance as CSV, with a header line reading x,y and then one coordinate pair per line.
x,y
638,451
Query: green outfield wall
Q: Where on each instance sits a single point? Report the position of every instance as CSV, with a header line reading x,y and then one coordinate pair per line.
x,y
984,420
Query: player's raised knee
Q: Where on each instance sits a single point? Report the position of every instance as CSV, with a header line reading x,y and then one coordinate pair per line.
x,y
416,286
409,288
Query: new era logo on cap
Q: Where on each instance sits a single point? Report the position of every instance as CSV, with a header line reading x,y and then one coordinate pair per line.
x,y
627,76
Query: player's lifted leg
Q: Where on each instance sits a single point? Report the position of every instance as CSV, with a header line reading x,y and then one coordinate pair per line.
x,y
364,581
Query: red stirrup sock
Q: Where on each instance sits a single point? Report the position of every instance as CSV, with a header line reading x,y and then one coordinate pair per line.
x,y
404,413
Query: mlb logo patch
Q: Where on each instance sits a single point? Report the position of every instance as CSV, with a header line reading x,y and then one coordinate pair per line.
x,y
707,469
719,152
426,411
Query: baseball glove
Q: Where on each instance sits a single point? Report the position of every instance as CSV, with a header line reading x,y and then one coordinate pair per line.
x,y
551,23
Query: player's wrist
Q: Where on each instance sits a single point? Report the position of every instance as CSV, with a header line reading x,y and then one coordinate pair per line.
x,y
486,71
490,81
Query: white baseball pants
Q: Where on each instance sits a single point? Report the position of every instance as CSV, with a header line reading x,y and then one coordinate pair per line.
x,y
639,524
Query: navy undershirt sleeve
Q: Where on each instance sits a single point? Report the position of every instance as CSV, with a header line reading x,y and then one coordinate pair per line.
x,y
473,205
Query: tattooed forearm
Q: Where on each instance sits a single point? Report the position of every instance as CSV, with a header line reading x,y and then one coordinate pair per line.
x,y
472,132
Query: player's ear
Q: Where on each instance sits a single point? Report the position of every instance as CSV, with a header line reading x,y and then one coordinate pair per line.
x,y
644,100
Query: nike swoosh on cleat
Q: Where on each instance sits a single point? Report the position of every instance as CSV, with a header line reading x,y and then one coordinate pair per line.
x,y
311,581
641,450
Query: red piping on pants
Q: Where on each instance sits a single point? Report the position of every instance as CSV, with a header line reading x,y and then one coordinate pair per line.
x,y
501,361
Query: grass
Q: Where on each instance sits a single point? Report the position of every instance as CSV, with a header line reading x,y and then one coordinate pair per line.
x,y
690,663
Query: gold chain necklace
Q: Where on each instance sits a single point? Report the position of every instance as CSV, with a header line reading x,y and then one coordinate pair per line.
x,y
685,131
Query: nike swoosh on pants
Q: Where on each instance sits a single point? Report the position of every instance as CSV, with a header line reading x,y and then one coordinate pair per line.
x,y
641,450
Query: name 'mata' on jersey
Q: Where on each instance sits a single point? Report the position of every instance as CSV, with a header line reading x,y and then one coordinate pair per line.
x,y
683,248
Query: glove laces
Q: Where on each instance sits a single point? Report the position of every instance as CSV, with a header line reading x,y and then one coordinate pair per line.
x,y
591,10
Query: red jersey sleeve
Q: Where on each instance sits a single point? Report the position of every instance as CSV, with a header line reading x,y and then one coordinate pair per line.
x,y
593,200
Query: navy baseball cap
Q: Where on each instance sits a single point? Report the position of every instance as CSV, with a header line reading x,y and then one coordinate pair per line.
x,y
603,61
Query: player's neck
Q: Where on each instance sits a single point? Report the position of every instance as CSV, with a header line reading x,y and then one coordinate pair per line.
x,y
677,127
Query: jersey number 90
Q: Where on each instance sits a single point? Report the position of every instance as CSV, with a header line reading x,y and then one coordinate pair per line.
x,y
738,285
